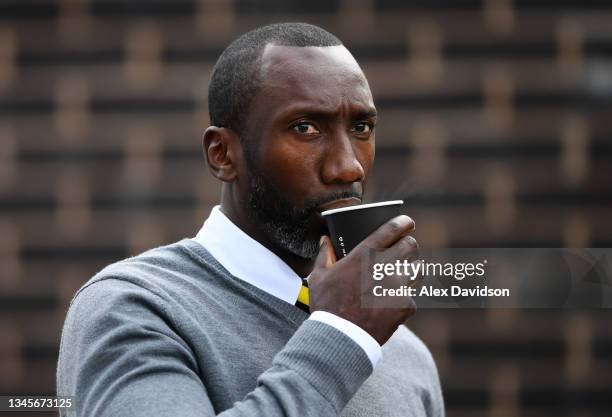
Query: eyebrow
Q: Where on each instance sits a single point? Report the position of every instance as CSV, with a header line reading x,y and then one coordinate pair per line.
x,y
317,113
367,114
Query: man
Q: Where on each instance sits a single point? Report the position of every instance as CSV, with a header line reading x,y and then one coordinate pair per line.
x,y
210,326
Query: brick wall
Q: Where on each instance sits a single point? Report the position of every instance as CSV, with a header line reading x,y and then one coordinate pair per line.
x,y
494,127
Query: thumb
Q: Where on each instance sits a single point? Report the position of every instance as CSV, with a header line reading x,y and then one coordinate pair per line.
x,y
326,256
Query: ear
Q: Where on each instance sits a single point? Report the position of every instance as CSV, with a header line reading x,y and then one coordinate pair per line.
x,y
222,150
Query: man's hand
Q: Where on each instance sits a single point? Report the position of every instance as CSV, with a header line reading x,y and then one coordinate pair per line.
x,y
336,287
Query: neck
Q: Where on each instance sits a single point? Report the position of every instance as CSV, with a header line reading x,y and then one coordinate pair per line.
x,y
301,266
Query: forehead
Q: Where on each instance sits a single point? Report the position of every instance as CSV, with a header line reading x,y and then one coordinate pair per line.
x,y
324,76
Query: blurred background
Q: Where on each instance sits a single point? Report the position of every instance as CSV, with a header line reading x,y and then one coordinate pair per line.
x,y
495,127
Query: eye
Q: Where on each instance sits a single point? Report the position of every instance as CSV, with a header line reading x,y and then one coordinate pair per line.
x,y
363,128
306,128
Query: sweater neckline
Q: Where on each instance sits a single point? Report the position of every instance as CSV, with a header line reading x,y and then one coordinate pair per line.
x,y
289,311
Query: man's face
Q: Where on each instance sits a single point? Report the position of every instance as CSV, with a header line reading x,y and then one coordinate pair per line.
x,y
309,142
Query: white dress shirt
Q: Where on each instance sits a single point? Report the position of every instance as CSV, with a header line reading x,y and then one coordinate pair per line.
x,y
250,261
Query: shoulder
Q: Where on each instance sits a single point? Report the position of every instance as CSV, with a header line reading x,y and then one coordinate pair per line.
x,y
161,283
178,283
409,357
112,319
167,271
406,378
411,341
109,303
135,297
407,345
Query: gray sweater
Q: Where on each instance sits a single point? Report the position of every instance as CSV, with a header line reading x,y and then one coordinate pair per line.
x,y
171,333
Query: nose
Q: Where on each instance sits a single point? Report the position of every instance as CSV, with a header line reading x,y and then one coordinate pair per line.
x,y
340,163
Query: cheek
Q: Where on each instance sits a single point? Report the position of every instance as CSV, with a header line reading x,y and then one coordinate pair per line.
x,y
293,168
365,152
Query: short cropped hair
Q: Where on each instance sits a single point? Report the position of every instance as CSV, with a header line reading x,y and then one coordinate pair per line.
x,y
235,76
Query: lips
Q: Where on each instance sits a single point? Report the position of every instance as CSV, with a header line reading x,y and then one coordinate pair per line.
x,y
342,202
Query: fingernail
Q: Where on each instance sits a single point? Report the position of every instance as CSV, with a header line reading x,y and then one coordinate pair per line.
x,y
403,219
321,241
409,220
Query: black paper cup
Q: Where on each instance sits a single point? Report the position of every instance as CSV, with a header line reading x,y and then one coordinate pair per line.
x,y
348,226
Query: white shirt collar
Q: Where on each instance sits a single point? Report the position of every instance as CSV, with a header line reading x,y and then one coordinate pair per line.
x,y
246,258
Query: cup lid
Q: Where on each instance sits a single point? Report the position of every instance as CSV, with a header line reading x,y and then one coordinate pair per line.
x,y
362,206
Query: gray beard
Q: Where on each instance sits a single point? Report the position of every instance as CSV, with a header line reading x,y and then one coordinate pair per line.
x,y
288,227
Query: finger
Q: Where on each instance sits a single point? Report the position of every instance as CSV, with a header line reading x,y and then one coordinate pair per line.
x,y
390,232
405,248
326,256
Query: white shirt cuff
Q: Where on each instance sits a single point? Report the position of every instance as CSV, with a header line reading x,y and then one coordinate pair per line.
x,y
359,336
